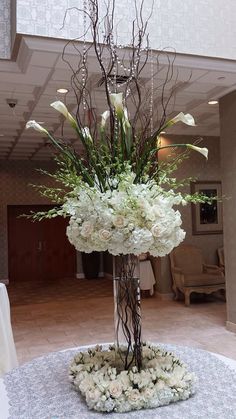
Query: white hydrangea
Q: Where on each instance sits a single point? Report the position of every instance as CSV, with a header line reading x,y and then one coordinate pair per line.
x,y
134,218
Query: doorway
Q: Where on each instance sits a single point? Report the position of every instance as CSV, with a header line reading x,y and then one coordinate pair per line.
x,y
38,251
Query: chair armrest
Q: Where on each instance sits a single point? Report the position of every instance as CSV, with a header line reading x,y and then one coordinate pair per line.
x,y
214,269
222,269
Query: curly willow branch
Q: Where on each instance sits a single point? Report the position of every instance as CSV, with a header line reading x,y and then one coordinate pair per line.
x,y
127,301
114,62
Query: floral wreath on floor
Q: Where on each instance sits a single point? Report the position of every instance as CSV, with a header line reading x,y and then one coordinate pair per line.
x,y
120,198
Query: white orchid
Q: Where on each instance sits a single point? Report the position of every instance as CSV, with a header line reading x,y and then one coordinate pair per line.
x,y
35,125
61,107
201,150
105,115
87,134
117,102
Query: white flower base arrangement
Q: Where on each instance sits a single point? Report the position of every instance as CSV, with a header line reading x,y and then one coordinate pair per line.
x,y
162,380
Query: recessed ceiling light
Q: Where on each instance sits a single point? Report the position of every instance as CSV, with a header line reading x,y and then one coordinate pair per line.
x,y
62,90
212,102
163,132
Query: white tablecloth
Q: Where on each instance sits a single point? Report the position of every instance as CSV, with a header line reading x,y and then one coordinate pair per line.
x,y
8,359
54,367
147,279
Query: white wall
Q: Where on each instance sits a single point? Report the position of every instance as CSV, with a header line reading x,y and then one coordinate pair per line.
x,y
5,28
200,27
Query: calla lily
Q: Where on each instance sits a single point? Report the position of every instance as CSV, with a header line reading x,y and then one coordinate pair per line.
x,y
201,150
35,125
105,115
125,120
117,102
61,107
181,117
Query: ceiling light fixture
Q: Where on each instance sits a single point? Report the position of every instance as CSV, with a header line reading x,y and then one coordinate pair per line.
x,y
212,102
62,90
163,132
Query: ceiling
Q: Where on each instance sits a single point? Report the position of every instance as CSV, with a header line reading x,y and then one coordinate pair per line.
x,y
38,71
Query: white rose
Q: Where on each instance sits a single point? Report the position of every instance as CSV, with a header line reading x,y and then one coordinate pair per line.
x,y
159,212
119,221
156,230
93,396
87,384
115,389
133,395
86,229
148,393
104,235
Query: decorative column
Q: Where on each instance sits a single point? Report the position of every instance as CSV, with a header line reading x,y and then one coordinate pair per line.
x,y
228,164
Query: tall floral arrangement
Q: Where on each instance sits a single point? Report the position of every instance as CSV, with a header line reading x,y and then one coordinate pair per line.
x,y
121,202
118,196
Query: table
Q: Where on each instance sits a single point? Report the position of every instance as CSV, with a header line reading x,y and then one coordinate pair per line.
x,y
8,359
147,279
40,390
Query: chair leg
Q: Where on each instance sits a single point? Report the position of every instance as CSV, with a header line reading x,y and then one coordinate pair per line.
x,y
187,298
176,292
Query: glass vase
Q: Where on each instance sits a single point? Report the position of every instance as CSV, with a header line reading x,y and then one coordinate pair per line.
x,y
127,312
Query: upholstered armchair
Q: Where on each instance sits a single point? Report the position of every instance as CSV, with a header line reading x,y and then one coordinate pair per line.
x,y
190,274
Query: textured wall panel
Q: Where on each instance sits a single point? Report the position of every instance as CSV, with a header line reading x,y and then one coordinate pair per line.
x,y
5,28
203,27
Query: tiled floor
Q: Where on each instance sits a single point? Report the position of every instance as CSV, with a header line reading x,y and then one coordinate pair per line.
x,y
69,313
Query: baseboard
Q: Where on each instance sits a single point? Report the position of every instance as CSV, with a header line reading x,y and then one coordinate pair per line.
x,y
165,297
4,281
231,326
81,275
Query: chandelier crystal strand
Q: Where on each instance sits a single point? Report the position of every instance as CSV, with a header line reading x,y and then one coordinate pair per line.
x,y
84,55
152,91
114,58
